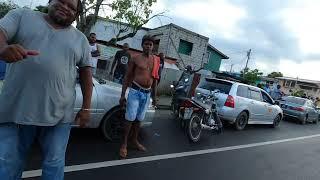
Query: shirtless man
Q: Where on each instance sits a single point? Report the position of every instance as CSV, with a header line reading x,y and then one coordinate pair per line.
x,y
142,78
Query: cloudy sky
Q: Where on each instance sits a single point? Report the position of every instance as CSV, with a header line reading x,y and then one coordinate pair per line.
x,y
283,35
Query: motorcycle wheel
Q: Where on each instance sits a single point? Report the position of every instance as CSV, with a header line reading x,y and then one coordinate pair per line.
x,y
193,128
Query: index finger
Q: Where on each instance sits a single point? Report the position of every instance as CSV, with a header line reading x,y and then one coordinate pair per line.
x,y
32,53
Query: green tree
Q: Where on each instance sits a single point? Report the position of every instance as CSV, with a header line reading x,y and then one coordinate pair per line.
x,y
298,93
5,7
275,74
130,15
251,76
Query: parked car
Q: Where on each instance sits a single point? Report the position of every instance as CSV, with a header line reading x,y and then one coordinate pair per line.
x,y
242,104
106,113
301,109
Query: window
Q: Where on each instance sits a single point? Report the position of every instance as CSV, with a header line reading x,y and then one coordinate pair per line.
x,y
185,47
287,84
255,95
266,98
212,84
242,91
294,100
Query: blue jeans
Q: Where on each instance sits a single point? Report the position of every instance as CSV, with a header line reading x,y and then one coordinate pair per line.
x,y
137,105
16,140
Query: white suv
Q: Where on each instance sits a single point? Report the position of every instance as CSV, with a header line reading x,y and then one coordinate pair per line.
x,y
242,104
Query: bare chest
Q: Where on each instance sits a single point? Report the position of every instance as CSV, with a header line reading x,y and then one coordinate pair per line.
x,y
145,64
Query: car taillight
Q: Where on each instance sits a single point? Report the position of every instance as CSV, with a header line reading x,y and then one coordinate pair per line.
x,y
186,104
229,102
297,109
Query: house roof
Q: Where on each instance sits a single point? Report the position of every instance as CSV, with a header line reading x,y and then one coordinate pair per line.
x,y
219,52
183,29
298,79
122,23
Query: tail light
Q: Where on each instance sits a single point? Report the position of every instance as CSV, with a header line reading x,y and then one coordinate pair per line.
x,y
229,102
300,109
186,104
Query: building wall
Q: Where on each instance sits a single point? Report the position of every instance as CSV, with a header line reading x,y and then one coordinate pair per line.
x,y
106,30
214,61
286,88
170,46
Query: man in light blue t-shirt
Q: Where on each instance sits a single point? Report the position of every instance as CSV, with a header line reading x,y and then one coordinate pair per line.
x,y
37,99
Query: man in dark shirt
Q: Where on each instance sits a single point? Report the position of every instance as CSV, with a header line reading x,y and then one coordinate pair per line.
x,y
162,57
120,64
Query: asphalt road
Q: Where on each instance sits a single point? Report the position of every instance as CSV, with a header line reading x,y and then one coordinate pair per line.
x,y
234,154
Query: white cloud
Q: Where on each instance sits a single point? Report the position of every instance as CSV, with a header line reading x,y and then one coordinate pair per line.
x,y
303,20
305,70
215,16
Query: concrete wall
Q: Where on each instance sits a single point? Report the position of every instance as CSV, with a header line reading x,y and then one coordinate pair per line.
x,y
170,47
314,92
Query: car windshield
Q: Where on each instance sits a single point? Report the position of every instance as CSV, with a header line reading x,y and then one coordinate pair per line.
x,y
294,100
213,84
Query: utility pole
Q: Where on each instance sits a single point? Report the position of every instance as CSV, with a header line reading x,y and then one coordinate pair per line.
x,y
231,67
248,58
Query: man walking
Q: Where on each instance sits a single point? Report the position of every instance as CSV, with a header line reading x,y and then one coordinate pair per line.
x,y
141,77
37,99
95,53
121,61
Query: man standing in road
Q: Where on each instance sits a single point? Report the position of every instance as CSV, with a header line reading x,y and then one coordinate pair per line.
x,y
162,57
95,53
37,100
141,77
121,61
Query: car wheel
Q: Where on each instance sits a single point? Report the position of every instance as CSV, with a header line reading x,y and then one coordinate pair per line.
x,y
276,121
112,124
241,121
315,121
304,120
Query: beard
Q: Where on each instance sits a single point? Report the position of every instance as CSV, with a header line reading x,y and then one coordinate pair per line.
x,y
65,22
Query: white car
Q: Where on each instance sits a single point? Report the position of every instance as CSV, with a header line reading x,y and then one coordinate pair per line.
x,y
106,113
242,104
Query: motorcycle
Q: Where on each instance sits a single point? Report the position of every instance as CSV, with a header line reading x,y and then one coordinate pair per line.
x,y
181,89
179,93
200,113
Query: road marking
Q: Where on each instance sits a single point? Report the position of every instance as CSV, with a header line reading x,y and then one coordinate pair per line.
x,y
37,173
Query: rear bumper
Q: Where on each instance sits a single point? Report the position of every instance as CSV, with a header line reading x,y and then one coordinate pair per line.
x,y
296,115
227,114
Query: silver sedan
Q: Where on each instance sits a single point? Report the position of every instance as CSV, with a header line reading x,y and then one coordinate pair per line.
x,y
300,109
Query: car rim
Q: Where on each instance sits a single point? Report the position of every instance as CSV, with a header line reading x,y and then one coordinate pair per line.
x,y
277,121
242,121
195,127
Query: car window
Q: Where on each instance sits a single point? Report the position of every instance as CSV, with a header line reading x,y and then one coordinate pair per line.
x,y
295,100
255,95
310,104
266,98
213,84
242,91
